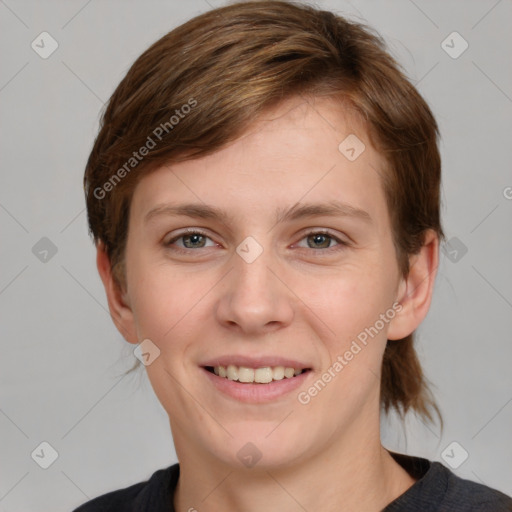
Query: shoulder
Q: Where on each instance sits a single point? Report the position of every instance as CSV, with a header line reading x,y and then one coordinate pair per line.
x,y
465,495
438,489
154,494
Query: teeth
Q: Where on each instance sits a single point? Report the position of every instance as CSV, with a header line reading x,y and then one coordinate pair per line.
x,y
278,373
289,373
263,375
245,374
232,372
260,375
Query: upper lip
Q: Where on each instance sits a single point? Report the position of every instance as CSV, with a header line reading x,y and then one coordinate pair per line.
x,y
255,362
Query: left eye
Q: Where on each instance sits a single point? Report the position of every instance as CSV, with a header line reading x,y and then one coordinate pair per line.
x,y
321,240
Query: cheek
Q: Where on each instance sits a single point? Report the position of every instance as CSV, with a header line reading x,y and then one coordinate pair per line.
x,y
350,300
166,311
351,306
163,302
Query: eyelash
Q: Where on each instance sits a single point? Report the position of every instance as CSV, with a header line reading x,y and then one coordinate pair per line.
x,y
195,231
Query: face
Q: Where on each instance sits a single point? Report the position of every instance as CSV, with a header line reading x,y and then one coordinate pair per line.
x,y
272,255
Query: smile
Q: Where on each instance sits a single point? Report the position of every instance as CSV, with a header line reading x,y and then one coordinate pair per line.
x,y
258,378
263,375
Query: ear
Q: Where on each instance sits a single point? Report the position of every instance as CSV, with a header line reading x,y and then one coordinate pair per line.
x,y
416,289
118,302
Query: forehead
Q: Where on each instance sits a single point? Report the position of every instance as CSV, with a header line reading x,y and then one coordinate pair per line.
x,y
303,150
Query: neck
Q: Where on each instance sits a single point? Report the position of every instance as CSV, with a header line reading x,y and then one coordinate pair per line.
x,y
352,472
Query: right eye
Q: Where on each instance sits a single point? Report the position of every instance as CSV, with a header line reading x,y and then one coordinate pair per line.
x,y
191,239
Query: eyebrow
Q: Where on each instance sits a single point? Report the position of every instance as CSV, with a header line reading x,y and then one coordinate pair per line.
x,y
297,211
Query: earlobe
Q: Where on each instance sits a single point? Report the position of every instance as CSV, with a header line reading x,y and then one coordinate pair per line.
x,y
416,289
118,301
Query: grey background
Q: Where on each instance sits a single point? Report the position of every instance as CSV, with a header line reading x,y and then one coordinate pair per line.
x,y
62,359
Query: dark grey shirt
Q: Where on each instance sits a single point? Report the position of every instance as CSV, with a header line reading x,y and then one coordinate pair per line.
x,y
437,489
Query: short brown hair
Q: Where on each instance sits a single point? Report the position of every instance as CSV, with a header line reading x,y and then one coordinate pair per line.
x,y
230,64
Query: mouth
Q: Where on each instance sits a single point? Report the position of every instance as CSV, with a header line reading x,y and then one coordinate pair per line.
x,y
261,375
256,378
254,381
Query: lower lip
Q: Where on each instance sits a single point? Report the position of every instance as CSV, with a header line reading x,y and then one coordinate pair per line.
x,y
256,393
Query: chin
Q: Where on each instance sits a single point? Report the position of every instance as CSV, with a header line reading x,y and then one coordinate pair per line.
x,y
263,445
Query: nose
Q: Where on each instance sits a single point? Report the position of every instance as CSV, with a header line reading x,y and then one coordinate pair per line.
x,y
254,300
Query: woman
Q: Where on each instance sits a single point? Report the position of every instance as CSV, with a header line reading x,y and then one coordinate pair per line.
x,y
264,197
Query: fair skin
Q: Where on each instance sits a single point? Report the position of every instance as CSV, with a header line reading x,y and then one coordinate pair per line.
x,y
305,297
